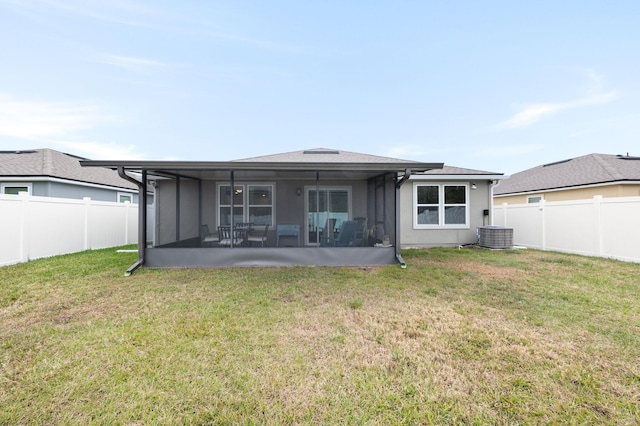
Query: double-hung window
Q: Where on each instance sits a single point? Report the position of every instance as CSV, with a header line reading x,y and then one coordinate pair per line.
x,y
251,203
441,205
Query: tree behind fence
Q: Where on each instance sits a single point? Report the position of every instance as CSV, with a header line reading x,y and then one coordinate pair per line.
x,y
605,227
34,227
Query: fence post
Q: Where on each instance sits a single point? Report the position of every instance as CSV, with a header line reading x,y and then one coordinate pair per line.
x,y
127,206
87,202
24,225
598,206
504,214
543,224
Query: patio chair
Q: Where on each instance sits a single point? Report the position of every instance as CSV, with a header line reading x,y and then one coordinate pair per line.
x,y
206,237
230,237
360,236
243,230
262,239
345,236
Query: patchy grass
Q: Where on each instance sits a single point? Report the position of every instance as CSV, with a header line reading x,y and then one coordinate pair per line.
x,y
460,336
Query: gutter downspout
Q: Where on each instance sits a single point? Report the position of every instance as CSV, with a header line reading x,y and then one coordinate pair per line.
x,y
142,216
492,184
398,185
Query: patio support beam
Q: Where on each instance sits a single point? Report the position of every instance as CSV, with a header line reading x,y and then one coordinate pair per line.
x,y
199,205
318,210
232,194
397,214
177,209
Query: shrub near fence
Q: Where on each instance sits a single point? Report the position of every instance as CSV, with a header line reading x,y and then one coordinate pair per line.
x,y
604,227
34,227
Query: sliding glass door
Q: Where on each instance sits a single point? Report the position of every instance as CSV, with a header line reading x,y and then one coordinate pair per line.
x,y
326,210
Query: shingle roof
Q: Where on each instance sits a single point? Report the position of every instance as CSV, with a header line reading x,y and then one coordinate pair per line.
x,y
324,155
51,163
452,170
586,170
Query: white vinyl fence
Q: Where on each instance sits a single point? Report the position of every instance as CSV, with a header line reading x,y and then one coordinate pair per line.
x,y
34,227
605,227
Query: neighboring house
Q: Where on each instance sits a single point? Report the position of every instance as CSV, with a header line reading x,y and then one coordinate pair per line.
x,y
573,179
315,207
444,207
50,173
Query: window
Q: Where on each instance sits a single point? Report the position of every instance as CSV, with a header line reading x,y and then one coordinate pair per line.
x,y
251,203
123,197
16,188
535,199
441,205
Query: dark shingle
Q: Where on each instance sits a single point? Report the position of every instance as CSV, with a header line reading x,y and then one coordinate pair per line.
x,y
580,171
51,163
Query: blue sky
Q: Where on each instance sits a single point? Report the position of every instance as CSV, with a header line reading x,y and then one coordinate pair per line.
x,y
497,86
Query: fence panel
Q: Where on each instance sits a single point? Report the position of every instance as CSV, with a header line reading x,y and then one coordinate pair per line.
x,y
526,221
571,226
607,227
620,228
54,226
34,227
11,229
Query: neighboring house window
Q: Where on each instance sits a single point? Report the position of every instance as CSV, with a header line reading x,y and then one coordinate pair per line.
x,y
441,205
535,199
124,197
16,188
251,203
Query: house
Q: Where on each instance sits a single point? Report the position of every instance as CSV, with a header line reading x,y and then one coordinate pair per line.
x,y
50,173
444,207
313,207
573,179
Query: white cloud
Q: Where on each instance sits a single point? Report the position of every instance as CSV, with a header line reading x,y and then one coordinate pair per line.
x,y
59,125
129,62
124,12
103,151
533,113
34,119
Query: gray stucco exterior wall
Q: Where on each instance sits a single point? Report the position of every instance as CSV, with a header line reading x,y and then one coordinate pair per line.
x,y
479,201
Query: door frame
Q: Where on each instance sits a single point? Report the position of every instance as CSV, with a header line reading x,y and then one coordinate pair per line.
x,y
309,188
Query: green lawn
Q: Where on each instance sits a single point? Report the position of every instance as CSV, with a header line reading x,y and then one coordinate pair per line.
x,y
460,336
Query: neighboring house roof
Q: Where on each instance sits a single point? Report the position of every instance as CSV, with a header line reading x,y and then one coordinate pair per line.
x,y
324,155
587,170
49,163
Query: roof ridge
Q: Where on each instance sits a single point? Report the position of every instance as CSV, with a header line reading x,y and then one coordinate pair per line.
x,y
608,167
47,162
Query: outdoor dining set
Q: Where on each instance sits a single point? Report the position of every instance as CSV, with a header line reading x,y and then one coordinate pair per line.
x,y
350,233
241,235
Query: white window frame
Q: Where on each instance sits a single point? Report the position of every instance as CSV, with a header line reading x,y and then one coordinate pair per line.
x,y
441,206
245,205
29,187
531,197
125,194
